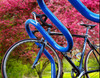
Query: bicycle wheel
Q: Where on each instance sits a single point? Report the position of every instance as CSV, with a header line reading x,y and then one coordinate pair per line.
x,y
19,58
92,63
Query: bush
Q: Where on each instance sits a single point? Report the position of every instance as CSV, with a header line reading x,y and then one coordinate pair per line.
x,y
13,15
16,69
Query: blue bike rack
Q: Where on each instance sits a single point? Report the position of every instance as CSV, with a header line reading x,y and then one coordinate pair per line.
x,y
80,7
85,11
40,28
60,26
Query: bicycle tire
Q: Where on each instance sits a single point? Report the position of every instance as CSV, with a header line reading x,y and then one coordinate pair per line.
x,y
5,63
92,63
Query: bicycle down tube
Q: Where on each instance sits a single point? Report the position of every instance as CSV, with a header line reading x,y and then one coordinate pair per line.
x,y
60,26
80,7
37,25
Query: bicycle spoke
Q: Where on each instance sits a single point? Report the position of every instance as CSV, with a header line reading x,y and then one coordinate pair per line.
x,y
18,60
92,64
96,57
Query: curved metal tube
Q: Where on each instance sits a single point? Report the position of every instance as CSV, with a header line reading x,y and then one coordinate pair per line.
x,y
47,36
78,5
85,11
53,67
38,26
60,26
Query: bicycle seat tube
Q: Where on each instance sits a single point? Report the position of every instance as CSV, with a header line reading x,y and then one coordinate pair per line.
x,y
84,47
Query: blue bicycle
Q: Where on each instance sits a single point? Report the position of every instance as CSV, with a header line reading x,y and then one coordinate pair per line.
x,y
40,47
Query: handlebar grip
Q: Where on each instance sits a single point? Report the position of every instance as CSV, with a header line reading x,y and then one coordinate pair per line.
x,y
43,20
37,15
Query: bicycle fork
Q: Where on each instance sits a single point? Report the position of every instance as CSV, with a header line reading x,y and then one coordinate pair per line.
x,y
38,56
43,50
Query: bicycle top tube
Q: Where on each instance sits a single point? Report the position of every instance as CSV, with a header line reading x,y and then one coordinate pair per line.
x,y
47,36
59,25
78,5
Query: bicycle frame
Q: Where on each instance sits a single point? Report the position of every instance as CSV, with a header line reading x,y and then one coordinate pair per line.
x,y
31,35
78,69
81,8
86,40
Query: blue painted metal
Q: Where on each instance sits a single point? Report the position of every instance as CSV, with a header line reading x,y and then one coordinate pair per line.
x,y
60,26
48,37
85,11
53,69
83,51
80,7
38,55
44,33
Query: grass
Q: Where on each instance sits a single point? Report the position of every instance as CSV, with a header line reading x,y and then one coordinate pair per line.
x,y
66,68
0,75
68,75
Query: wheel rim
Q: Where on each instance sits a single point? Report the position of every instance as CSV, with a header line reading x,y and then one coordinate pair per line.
x,y
91,63
24,64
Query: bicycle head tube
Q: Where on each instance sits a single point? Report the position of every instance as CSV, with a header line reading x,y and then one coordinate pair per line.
x,y
59,25
46,36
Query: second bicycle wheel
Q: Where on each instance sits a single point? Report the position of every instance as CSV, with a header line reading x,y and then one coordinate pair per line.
x,y
19,58
92,63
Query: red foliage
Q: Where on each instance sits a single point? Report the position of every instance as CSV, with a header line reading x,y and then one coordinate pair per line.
x,y
13,14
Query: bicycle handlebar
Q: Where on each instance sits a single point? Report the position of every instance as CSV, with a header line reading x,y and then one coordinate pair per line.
x,y
82,9
85,11
47,36
79,6
60,26
43,21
